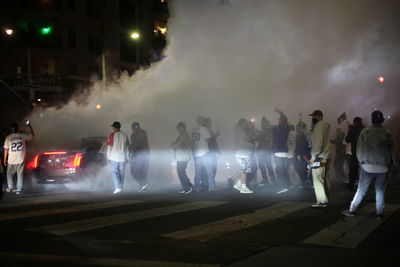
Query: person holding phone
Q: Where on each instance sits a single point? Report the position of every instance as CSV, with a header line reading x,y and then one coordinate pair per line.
x,y
15,156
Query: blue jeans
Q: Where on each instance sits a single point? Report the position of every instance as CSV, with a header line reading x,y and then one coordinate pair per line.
x,y
366,178
118,173
203,173
181,169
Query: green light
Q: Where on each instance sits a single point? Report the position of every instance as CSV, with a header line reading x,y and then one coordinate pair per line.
x,y
46,30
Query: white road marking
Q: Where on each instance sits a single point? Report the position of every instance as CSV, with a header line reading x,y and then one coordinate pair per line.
x,y
217,228
110,220
77,260
351,231
85,207
30,203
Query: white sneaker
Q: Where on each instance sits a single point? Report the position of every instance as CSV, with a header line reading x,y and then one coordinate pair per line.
x,y
238,185
182,192
143,188
117,191
245,190
189,191
283,191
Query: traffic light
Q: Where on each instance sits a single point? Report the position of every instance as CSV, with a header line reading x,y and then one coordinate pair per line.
x,y
46,30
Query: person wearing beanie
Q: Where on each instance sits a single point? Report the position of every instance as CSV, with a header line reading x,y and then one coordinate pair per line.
x,y
376,155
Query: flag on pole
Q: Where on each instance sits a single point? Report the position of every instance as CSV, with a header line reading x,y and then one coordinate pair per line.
x,y
341,118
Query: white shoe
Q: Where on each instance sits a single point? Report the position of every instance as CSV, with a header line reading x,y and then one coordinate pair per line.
x,y
283,191
245,190
182,192
143,188
189,191
238,185
117,191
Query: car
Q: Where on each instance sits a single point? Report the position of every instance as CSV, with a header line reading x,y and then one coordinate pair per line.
x,y
69,162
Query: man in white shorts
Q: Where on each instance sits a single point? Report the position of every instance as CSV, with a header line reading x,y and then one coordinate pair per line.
x,y
245,149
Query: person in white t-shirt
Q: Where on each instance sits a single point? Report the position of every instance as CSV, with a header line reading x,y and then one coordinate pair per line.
x,y
203,171
14,156
118,154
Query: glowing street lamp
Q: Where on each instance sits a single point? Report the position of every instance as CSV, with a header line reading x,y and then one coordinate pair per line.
x,y
135,35
9,31
98,106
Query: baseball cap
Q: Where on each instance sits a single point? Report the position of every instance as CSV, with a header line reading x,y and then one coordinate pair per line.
x,y
317,113
377,117
180,125
116,124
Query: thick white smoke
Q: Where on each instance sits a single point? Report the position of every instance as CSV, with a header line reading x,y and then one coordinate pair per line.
x,y
245,58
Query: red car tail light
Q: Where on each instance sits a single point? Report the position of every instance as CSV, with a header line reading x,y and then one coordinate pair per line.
x,y
75,161
55,153
34,163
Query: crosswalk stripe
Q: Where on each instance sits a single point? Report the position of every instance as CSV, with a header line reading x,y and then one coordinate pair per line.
x,y
350,231
77,260
110,220
217,228
30,203
43,212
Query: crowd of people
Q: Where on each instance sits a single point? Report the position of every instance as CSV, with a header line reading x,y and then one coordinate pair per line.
x,y
272,150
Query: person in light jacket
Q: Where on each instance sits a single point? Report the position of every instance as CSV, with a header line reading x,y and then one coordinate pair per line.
x,y
320,152
182,149
376,154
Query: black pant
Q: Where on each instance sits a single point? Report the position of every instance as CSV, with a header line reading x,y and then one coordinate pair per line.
x,y
140,168
353,171
338,166
282,171
181,169
1,183
300,165
264,161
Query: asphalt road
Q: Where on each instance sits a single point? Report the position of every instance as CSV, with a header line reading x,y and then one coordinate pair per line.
x,y
222,228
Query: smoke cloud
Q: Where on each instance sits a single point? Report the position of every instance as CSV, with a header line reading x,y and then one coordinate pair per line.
x,y
244,58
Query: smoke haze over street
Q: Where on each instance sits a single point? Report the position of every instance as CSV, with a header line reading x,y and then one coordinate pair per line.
x,y
244,58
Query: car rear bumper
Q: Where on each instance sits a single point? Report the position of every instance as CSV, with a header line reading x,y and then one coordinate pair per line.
x,y
57,176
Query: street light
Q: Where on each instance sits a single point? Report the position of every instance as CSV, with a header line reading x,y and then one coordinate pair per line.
x,y
9,31
135,35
